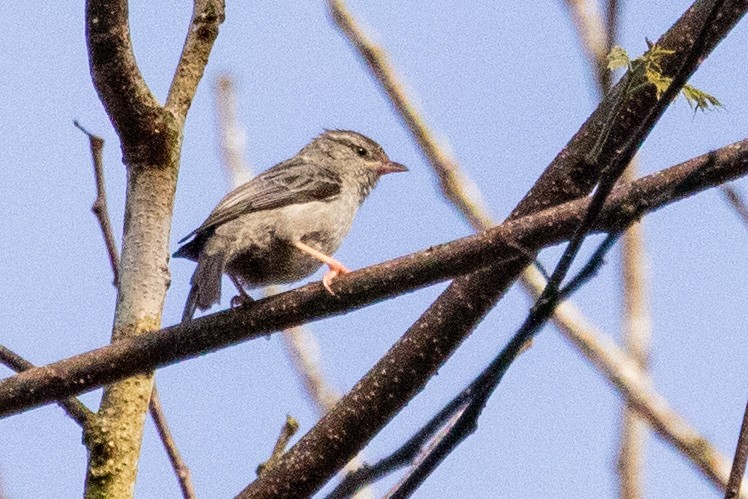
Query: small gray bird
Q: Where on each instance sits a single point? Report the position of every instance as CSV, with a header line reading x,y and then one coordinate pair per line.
x,y
283,224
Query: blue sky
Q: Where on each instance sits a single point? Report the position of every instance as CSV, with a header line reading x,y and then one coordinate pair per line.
x,y
506,85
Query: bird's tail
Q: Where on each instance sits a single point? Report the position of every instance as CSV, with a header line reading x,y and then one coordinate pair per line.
x,y
206,285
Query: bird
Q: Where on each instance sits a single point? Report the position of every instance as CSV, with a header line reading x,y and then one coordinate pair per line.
x,y
286,222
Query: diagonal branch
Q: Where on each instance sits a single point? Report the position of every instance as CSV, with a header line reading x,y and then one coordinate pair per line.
x,y
432,339
99,207
207,16
738,462
178,464
366,286
737,202
74,408
460,190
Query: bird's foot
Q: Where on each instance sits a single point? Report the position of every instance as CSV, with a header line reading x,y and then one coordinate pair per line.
x,y
336,269
241,299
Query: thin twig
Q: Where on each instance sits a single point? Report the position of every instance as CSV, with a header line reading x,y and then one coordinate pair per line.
x,y
170,446
636,329
232,137
73,407
289,429
99,207
737,202
738,462
482,387
595,42
427,450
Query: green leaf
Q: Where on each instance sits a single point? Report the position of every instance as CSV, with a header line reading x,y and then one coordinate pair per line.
x,y
618,58
699,100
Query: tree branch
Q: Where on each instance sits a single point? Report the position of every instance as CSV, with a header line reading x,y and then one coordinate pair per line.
x,y
737,202
207,16
99,207
73,407
151,138
366,286
432,339
184,477
738,462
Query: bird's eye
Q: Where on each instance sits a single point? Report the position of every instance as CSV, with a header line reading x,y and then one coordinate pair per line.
x,y
362,152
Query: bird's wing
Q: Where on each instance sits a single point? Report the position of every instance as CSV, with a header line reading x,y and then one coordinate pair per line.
x,y
291,182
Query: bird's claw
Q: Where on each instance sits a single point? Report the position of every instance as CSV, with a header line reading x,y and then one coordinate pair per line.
x,y
334,272
241,299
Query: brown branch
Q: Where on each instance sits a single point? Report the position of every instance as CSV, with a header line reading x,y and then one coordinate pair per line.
x,y
432,339
128,101
73,407
99,207
737,202
373,284
738,463
207,16
170,446
597,39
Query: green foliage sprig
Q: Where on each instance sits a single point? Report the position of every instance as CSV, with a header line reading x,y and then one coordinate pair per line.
x,y
649,65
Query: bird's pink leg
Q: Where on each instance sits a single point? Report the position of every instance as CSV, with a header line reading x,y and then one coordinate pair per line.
x,y
336,268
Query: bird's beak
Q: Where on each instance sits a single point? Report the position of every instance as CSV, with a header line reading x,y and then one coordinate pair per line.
x,y
391,167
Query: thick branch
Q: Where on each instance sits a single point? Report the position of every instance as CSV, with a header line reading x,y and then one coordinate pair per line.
x,y
133,109
366,286
432,339
151,138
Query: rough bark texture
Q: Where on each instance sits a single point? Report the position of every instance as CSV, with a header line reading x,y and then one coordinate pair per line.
x,y
432,339
151,140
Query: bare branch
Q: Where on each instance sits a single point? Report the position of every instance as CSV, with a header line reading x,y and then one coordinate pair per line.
x,y
301,346
624,374
365,286
134,111
597,39
151,138
232,137
432,339
738,463
73,407
459,189
637,333
102,215
99,207
289,429
737,202
594,39
207,16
